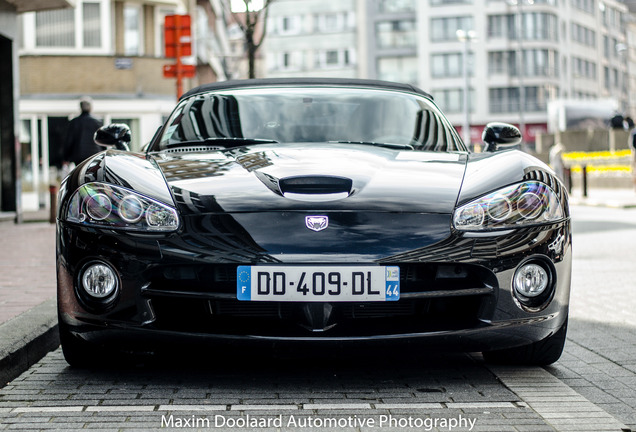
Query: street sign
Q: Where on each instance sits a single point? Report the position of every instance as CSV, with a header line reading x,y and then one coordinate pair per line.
x,y
178,44
178,36
187,71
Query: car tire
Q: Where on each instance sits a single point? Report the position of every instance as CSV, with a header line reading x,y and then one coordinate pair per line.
x,y
78,353
541,353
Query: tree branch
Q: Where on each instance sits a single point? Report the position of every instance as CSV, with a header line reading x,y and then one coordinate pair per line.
x,y
265,15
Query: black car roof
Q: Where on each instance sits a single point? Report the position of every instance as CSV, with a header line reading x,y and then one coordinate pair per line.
x,y
343,82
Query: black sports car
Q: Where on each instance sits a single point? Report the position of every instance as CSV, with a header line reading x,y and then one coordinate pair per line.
x,y
313,211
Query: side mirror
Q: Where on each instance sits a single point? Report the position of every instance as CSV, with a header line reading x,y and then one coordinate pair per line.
x,y
500,134
114,135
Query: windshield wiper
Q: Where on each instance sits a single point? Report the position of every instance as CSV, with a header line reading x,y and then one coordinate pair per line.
x,y
379,144
221,142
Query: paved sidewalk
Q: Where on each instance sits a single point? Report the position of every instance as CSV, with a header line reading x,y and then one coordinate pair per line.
x,y
27,267
28,321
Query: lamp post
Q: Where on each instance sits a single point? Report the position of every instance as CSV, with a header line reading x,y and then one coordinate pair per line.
x,y
520,65
466,37
623,53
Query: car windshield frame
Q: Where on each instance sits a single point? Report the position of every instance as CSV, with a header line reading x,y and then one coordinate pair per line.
x,y
308,114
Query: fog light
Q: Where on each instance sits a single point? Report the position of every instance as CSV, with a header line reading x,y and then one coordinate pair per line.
x,y
99,280
531,280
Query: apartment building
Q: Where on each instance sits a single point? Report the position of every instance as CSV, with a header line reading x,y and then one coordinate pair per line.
x,y
113,52
518,54
312,38
9,36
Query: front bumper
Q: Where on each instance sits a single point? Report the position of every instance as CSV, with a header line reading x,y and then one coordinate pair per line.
x,y
456,293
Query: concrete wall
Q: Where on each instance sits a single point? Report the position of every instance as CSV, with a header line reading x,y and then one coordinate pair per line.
x,y
591,140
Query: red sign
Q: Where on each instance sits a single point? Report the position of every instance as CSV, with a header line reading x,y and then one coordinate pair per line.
x,y
178,36
187,71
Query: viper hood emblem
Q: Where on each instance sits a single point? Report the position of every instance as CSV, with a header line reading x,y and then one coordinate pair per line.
x,y
316,223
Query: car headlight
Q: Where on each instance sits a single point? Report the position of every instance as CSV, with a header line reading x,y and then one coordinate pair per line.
x,y
527,203
104,205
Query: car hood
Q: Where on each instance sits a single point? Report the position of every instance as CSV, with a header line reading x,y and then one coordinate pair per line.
x,y
288,177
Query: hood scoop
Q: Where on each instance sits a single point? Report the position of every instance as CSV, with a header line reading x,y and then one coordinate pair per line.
x,y
315,188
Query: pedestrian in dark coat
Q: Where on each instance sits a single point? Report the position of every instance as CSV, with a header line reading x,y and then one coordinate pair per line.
x,y
79,138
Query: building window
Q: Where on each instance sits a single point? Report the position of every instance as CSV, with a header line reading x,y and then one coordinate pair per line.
x,y
584,5
335,58
91,25
393,6
503,100
449,65
445,29
286,61
616,75
583,35
536,26
394,34
506,100
502,63
84,27
583,68
536,62
452,100
334,22
331,58
537,97
55,28
330,23
400,69
287,25
133,31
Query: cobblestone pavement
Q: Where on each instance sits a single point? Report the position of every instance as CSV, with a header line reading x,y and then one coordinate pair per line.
x,y
600,355
439,387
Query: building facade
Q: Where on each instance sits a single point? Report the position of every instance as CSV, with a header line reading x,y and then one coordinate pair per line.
x,y
113,52
10,201
514,57
312,38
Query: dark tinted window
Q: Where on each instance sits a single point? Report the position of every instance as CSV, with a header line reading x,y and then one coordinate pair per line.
x,y
317,114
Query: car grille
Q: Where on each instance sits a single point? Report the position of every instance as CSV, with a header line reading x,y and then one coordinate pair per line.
x,y
434,297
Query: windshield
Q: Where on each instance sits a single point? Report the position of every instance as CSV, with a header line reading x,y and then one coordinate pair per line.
x,y
320,114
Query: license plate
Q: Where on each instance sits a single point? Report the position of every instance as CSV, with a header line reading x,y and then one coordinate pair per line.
x,y
318,284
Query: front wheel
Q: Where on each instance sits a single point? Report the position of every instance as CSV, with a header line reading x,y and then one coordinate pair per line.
x,y
541,353
77,352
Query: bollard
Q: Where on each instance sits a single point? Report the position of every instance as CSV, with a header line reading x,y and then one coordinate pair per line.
x,y
568,180
584,174
53,202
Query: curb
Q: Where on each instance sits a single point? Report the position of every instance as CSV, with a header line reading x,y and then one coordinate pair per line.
x,y
27,338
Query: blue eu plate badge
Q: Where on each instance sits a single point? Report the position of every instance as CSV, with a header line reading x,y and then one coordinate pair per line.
x,y
244,283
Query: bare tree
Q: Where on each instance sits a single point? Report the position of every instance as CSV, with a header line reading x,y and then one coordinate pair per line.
x,y
253,39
